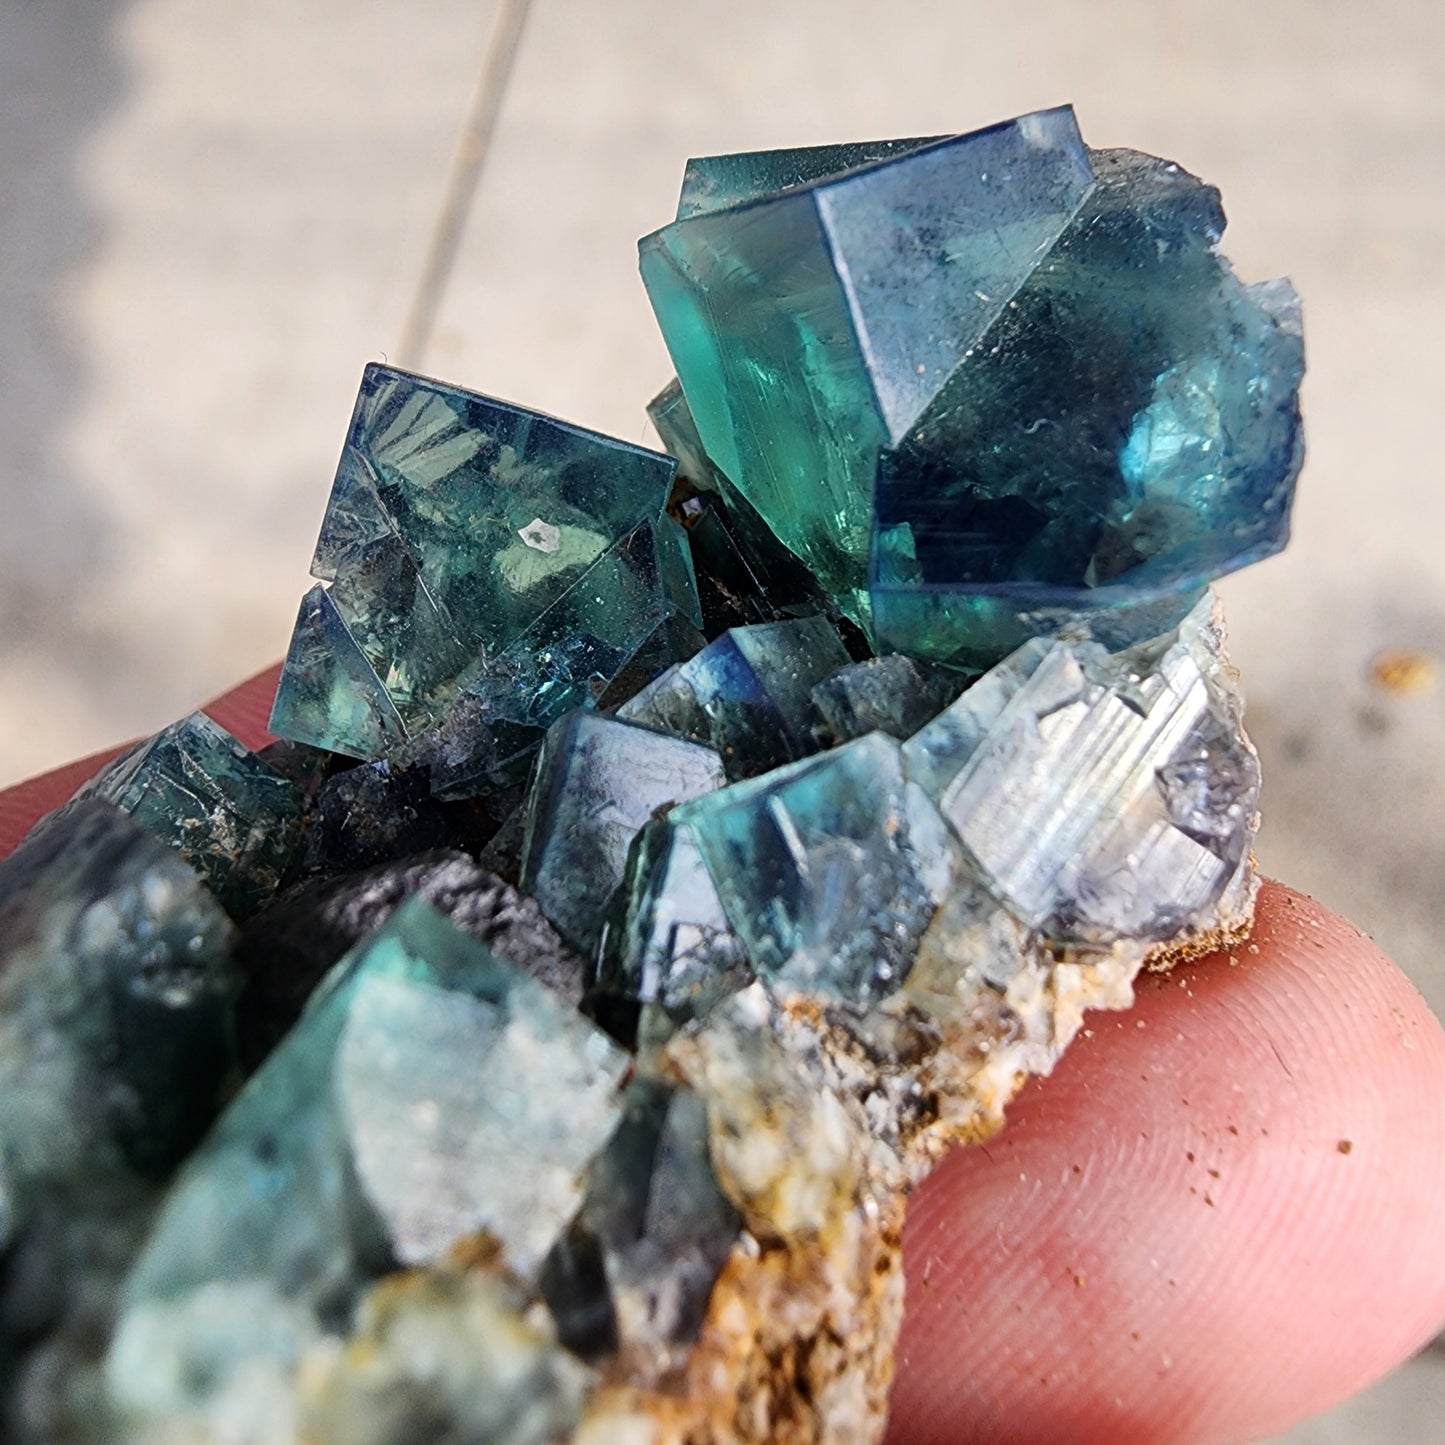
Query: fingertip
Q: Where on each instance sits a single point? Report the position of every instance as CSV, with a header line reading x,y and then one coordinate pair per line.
x,y
1218,1217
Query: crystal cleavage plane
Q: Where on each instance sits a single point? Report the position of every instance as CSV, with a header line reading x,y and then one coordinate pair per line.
x,y
670,857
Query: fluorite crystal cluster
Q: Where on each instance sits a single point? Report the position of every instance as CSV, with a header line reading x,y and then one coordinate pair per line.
x,y
669,856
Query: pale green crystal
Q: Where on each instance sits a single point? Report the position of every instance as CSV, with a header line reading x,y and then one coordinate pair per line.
x,y
431,1093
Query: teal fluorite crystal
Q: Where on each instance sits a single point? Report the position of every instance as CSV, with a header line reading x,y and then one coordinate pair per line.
x,y
988,386
638,1264
891,694
233,818
717,183
668,948
116,999
635,612
455,522
744,573
748,693
829,870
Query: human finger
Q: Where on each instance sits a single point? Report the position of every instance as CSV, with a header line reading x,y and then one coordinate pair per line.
x,y
1220,1215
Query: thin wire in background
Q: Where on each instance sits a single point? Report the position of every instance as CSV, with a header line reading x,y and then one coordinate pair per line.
x,y
473,145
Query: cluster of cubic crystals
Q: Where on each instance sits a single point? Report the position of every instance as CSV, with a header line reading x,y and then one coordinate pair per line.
x,y
668,857
984,385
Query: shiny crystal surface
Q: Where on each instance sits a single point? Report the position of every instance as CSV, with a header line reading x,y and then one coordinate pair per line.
x,y
1008,284
717,183
668,947
891,694
431,1093
598,781
454,523
748,693
829,869
233,818
1103,796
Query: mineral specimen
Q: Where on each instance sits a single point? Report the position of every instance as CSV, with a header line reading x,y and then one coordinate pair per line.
x,y
665,870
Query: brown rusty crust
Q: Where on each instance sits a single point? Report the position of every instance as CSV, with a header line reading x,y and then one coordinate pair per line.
x,y
797,1349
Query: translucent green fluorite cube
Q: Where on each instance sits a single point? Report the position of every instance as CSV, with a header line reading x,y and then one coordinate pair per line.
x,y
811,327
830,869
431,1093
455,522
235,820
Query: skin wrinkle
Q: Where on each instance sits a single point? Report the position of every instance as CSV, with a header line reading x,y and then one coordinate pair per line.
x,y
1120,1306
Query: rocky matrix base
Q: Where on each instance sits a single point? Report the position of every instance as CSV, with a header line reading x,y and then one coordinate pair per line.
x,y
669,856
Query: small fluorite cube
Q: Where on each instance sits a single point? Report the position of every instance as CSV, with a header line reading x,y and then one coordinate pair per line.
x,y
233,818
749,693
638,1264
829,870
598,781
1101,796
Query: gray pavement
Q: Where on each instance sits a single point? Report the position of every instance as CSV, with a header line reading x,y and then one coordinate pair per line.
x,y
211,216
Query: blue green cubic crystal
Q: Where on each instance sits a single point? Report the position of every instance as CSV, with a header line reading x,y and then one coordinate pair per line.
x,y
986,387
233,818
431,1093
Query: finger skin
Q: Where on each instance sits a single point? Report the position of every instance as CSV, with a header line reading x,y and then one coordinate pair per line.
x,y
242,711
1221,1214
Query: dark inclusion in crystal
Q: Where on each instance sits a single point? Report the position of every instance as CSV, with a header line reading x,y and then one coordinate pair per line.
x,y
987,386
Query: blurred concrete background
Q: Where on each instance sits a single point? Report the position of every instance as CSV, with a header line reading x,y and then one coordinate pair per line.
x,y
211,216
